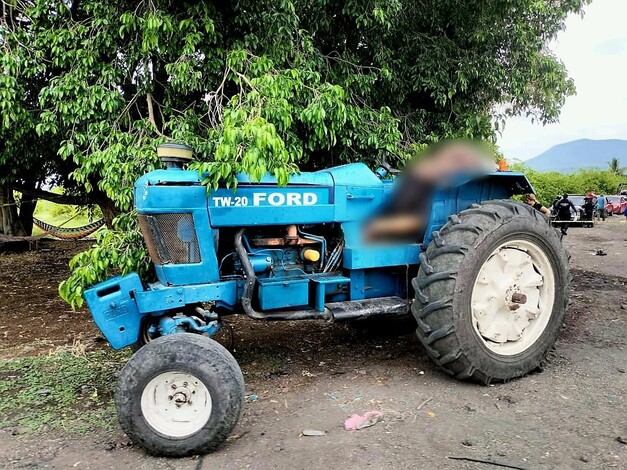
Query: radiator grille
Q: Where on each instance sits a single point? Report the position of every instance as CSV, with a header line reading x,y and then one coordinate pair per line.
x,y
171,238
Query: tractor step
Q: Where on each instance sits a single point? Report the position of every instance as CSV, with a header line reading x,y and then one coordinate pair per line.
x,y
328,285
368,308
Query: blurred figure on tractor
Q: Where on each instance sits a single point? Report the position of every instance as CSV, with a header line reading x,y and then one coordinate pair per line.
x,y
407,213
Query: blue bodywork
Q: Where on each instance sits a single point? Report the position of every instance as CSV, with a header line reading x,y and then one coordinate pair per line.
x,y
189,234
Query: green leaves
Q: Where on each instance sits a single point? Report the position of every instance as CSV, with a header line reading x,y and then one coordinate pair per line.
x,y
156,29
249,145
119,250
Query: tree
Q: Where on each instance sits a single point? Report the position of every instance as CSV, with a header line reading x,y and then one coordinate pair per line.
x,y
262,86
29,159
22,159
615,168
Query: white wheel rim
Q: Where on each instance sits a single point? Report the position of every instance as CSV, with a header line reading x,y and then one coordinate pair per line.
x,y
506,325
176,404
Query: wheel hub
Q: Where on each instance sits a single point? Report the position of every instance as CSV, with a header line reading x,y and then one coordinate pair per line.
x,y
514,298
181,398
176,404
509,294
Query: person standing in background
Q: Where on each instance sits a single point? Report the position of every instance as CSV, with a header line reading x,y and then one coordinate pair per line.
x,y
600,203
588,207
565,210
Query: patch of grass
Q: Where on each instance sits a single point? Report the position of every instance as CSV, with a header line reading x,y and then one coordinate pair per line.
x,y
68,390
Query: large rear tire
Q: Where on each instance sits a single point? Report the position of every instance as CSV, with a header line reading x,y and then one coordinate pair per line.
x,y
180,394
492,292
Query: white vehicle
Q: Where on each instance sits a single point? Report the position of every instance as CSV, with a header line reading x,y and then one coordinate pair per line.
x,y
578,202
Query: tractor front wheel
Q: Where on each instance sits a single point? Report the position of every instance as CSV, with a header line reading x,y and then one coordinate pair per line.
x,y
491,292
179,395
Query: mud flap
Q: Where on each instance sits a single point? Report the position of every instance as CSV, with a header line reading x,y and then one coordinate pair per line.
x,y
114,309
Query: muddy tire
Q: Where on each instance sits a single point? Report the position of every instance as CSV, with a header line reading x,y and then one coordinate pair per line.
x,y
180,395
492,292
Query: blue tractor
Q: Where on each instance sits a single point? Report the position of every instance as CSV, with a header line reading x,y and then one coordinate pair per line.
x,y
487,284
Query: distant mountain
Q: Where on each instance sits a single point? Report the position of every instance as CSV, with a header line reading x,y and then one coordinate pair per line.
x,y
583,153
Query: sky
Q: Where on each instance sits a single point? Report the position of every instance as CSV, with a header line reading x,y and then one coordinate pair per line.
x,y
594,50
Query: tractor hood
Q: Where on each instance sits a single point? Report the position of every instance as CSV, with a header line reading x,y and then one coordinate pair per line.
x,y
343,193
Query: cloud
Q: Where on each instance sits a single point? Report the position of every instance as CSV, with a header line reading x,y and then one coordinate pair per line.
x,y
612,47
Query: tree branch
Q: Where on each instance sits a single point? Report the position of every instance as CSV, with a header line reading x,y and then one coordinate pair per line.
x,y
151,114
53,197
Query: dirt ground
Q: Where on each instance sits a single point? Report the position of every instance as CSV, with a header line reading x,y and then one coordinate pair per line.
x,y
310,375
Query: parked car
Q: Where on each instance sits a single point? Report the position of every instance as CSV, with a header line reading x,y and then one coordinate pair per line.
x,y
615,204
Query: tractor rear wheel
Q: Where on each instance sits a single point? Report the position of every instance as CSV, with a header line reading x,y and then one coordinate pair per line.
x,y
180,394
492,292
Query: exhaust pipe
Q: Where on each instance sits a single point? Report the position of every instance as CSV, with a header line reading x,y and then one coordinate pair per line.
x,y
366,308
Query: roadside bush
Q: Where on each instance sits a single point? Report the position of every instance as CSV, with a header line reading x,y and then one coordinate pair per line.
x,y
552,183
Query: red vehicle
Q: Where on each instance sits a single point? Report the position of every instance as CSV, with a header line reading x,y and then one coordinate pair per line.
x,y
615,204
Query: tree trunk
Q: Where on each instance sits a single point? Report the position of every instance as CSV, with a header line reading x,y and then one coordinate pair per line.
x,y
109,212
27,209
107,206
5,220
35,193
11,224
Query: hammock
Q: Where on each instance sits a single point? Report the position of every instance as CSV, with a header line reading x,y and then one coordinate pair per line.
x,y
69,233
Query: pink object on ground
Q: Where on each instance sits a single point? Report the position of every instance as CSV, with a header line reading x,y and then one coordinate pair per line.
x,y
368,419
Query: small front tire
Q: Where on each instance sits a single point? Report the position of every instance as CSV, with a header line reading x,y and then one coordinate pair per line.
x,y
180,395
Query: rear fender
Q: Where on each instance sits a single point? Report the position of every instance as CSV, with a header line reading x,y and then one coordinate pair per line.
x,y
469,190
